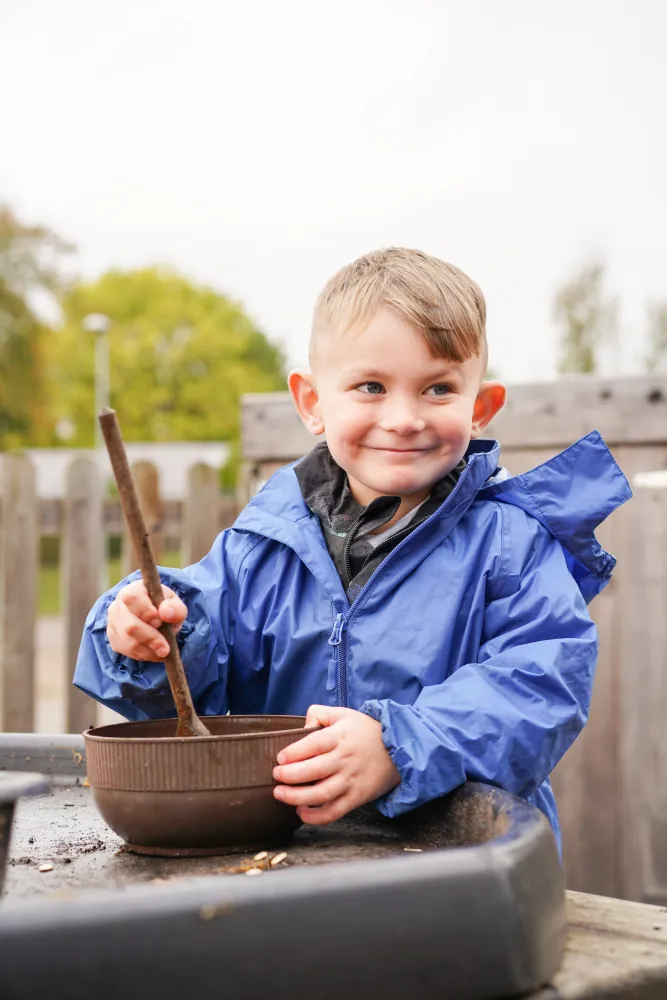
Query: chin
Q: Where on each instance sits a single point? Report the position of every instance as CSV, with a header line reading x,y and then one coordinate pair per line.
x,y
398,486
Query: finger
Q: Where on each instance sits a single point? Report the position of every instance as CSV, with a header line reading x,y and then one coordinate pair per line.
x,y
324,814
173,610
161,648
311,795
148,654
140,633
310,746
135,599
127,647
323,715
313,769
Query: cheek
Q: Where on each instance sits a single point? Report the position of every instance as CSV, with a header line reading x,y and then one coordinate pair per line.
x,y
348,426
455,423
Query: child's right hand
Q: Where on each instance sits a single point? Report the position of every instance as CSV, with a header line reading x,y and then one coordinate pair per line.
x,y
133,622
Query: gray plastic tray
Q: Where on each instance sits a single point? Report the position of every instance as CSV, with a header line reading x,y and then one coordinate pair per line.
x,y
461,899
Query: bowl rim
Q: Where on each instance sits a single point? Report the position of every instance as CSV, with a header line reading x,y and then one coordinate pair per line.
x,y
90,735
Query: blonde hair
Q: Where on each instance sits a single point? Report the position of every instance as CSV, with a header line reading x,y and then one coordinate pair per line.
x,y
436,298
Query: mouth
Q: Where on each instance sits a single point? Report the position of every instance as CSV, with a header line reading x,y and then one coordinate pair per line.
x,y
408,452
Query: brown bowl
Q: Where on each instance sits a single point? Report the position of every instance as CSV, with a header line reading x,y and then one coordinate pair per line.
x,y
197,795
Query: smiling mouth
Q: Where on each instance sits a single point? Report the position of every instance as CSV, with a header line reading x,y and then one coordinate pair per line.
x,y
403,451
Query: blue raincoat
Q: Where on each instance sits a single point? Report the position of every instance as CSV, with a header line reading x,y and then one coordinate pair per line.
x,y
471,643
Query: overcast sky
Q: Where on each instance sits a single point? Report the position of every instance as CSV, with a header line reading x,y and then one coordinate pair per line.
x,y
259,145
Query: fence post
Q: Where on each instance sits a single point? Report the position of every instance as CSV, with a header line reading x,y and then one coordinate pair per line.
x,y
81,559
18,594
200,522
147,482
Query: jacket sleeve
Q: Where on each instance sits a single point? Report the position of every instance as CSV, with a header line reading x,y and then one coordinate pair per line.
x,y
508,718
139,689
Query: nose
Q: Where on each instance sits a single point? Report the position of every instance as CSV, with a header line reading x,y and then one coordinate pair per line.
x,y
401,416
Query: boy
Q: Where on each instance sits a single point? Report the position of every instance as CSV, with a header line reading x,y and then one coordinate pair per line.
x,y
395,585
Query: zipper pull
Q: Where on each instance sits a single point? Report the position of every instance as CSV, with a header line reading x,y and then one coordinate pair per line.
x,y
337,631
334,640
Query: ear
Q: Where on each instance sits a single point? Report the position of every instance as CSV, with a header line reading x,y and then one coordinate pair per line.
x,y
304,393
490,399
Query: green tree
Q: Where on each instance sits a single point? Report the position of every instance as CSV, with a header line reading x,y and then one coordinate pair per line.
x,y
30,263
587,317
657,333
31,257
181,354
23,393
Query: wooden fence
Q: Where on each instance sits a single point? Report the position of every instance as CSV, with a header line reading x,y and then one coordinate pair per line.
x,y
612,785
83,519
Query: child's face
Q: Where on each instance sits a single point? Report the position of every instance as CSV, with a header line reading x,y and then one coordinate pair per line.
x,y
396,418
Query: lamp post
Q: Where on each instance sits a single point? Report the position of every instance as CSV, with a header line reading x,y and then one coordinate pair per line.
x,y
99,324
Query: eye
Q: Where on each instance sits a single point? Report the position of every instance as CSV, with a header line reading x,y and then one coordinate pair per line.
x,y
371,388
439,390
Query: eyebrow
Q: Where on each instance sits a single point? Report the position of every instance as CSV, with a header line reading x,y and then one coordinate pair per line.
x,y
367,374
375,375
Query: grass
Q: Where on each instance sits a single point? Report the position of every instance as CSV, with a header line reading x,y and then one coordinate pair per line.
x,y
48,584
48,590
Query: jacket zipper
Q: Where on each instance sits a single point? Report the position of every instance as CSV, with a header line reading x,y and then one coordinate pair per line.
x,y
336,675
346,551
338,664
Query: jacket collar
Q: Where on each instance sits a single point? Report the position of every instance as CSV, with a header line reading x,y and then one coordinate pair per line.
x,y
326,492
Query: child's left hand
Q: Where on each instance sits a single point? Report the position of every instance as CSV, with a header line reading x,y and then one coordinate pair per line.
x,y
346,760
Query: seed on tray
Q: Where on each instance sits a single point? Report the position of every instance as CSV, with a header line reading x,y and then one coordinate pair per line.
x,y
278,858
46,868
261,856
413,850
254,871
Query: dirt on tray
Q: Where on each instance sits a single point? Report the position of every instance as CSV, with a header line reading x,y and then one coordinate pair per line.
x,y
64,832
63,835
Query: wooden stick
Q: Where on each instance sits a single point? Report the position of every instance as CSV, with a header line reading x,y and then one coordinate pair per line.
x,y
189,723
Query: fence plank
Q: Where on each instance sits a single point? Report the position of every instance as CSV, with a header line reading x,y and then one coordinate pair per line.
x,y
643,698
229,510
271,428
82,561
649,788
18,594
202,513
586,781
624,410
147,482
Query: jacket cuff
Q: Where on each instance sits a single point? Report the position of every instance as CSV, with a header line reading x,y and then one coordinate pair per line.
x,y
198,633
429,764
400,799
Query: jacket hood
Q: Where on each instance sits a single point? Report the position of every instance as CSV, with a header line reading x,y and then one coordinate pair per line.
x,y
570,495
